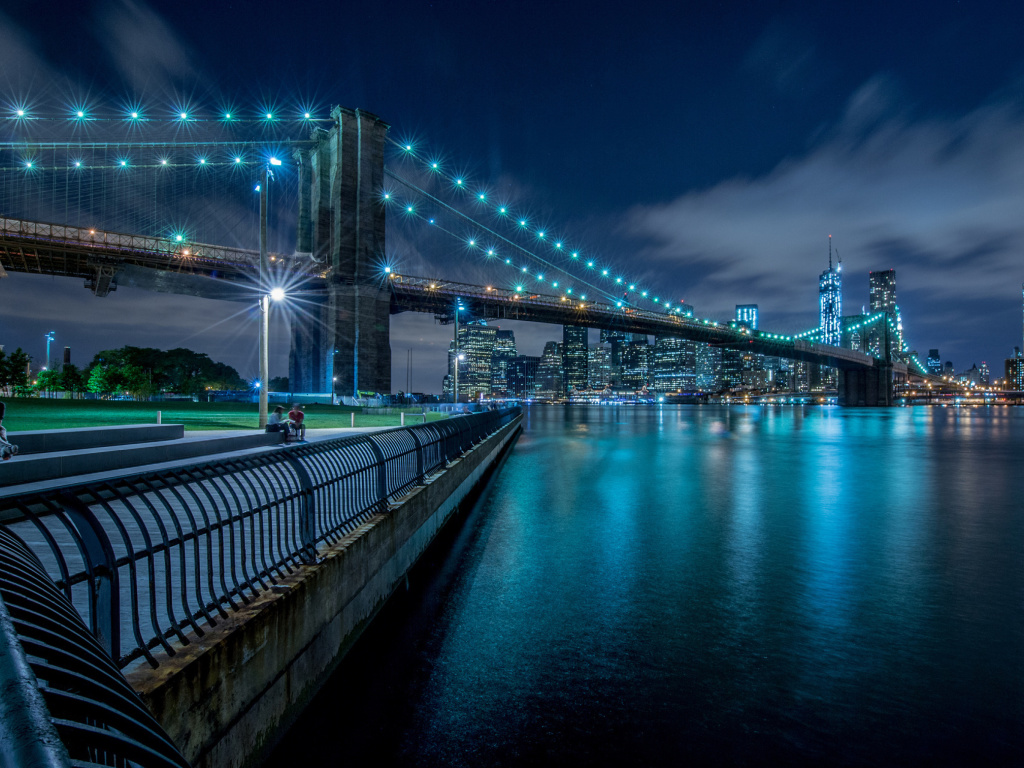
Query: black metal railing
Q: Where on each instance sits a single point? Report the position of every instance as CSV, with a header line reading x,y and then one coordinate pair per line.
x,y
150,557
65,702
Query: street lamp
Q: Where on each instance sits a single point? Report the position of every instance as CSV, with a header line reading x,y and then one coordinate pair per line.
x,y
49,338
458,357
277,294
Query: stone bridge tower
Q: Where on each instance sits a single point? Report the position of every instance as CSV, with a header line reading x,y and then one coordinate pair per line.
x,y
342,343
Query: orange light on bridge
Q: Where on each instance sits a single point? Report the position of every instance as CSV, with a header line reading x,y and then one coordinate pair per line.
x,y
185,252
92,231
433,286
489,289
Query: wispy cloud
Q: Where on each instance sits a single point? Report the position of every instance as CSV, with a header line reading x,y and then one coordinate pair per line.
x,y
937,198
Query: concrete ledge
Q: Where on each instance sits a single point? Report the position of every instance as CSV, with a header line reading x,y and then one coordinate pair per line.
x,y
48,440
51,466
226,698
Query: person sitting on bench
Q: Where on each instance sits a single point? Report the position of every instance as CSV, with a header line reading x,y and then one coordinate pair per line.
x,y
297,417
277,422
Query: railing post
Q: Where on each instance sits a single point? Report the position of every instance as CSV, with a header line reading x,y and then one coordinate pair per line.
x,y
307,510
382,475
419,457
105,599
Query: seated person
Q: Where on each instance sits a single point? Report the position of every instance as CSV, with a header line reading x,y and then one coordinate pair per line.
x,y
276,422
297,417
7,450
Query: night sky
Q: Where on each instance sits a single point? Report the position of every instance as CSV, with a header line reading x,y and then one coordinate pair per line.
x,y
705,149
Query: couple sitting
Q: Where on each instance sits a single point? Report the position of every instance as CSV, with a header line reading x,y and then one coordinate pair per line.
x,y
295,421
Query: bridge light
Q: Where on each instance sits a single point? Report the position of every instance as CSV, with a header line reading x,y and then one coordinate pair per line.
x,y
575,255
490,252
275,161
434,166
482,196
21,113
202,161
590,264
124,163
502,210
540,235
644,294
583,296
604,272
80,114
558,245
408,208
522,222
632,287
387,270
163,162
135,115
182,115
28,163
408,147
524,269
78,163
508,261
472,242
554,285
519,289
540,277
618,303
458,182
270,115
618,280
568,290
238,159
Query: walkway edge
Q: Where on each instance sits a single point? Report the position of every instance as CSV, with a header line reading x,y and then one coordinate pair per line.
x,y
227,698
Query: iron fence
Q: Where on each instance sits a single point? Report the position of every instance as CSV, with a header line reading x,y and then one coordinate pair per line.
x,y
65,702
150,557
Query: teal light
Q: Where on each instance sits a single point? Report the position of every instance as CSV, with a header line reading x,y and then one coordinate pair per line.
x,y
21,113
554,285
508,261
632,287
540,277
163,162
568,290
124,163
522,222
575,255
408,147
583,296
28,163
524,269
540,235
306,115
135,115
458,182
558,245
238,159
502,210
183,115
604,272
472,242
644,294
490,253
80,113
227,115
618,303
202,161
270,115
434,166
618,280
387,195
519,289
78,163
590,264
482,196
178,238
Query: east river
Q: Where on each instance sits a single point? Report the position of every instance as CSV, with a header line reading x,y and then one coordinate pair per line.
x,y
700,584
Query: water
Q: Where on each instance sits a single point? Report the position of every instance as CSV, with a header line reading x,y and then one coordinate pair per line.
x,y
648,586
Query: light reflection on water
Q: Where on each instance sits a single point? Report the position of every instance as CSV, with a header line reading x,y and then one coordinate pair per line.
x,y
651,585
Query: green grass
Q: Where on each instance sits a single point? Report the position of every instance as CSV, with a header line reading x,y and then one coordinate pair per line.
x,y
25,414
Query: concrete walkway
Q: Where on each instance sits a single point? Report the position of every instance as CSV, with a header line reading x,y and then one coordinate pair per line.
x,y
193,437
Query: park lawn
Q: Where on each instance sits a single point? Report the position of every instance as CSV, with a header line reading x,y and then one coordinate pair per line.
x,y
31,413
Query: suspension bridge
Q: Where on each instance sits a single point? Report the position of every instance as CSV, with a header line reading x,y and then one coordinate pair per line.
x,y
336,199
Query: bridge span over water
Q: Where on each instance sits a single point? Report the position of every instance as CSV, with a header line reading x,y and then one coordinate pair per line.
x,y
344,344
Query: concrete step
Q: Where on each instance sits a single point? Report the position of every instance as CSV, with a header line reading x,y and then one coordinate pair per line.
x,y
50,440
63,464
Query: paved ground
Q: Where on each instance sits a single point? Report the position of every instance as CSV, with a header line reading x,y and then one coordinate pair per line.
x,y
312,435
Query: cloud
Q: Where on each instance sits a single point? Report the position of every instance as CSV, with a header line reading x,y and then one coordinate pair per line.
x,y
144,49
936,198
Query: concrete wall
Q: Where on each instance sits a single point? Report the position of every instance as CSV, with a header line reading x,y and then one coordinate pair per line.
x,y
227,698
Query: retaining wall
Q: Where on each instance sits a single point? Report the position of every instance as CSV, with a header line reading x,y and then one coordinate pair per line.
x,y
228,697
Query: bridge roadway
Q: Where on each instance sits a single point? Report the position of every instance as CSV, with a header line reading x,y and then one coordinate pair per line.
x,y
100,256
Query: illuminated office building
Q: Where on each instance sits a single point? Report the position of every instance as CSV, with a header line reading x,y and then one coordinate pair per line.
x,y
574,358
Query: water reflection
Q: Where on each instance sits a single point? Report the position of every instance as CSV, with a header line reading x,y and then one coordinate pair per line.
x,y
797,585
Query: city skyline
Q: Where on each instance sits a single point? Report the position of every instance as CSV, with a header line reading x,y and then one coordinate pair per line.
x,y
759,141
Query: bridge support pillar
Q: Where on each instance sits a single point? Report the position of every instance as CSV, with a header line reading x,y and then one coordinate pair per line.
x,y
342,343
866,387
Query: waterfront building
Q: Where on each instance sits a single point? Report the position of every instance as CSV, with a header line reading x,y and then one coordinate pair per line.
x,y
934,362
599,366
731,368
674,366
709,367
476,345
882,298
549,372
636,363
501,357
1015,372
574,358
522,376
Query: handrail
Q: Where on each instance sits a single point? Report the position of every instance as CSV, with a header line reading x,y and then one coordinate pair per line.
x,y
65,702
151,557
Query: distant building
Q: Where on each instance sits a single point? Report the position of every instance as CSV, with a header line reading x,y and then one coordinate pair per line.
x,y
882,298
674,367
709,367
731,368
522,376
1015,373
502,356
636,363
947,368
599,366
549,373
934,362
476,346
986,375
747,314
574,358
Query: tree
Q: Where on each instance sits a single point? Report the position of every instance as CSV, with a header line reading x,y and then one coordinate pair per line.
x,y
101,380
279,384
72,379
48,381
14,371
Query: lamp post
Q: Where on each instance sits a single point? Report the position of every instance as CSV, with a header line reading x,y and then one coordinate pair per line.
x,y
264,294
49,338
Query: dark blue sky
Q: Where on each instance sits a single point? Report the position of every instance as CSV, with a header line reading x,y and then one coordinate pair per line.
x,y
709,148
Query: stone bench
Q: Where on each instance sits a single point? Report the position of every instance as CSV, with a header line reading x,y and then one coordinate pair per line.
x,y
78,439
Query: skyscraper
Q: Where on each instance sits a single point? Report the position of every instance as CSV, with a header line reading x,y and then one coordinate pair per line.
x,y
476,345
747,314
830,301
882,298
709,367
522,376
574,358
674,368
549,372
502,356
934,362
599,366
